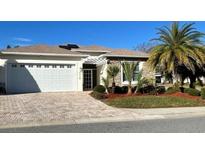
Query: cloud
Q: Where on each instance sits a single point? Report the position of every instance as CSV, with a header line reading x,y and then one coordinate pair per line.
x,y
22,39
21,44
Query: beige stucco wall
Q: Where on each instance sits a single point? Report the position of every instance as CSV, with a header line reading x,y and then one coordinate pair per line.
x,y
147,72
101,72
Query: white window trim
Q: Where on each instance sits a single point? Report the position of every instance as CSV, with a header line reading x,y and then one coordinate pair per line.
x,y
126,82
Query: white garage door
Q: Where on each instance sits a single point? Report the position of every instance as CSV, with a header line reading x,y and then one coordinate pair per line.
x,y
23,78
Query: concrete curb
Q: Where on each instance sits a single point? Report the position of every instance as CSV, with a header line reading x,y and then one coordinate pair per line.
x,y
133,115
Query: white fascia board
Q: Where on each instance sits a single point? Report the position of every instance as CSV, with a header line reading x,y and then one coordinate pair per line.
x,y
94,51
43,54
126,56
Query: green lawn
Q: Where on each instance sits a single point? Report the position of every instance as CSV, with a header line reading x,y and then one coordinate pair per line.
x,y
153,102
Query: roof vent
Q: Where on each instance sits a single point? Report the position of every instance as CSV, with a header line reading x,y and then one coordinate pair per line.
x,y
69,46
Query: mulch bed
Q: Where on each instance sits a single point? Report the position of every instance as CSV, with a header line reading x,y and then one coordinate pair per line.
x,y
177,94
184,95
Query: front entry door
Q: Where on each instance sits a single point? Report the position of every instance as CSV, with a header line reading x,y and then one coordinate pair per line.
x,y
87,79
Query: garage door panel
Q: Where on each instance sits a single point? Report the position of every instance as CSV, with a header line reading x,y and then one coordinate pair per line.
x,y
41,79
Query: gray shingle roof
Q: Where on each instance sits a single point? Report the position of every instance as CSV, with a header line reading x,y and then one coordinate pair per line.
x,y
41,49
82,50
114,52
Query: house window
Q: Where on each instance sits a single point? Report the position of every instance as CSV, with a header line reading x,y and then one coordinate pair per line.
x,y
136,72
158,79
30,66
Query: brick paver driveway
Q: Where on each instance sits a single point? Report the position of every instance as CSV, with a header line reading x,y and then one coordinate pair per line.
x,y
41,108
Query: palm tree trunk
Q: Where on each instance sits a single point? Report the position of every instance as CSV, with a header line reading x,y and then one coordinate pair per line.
x,y
200,82
113,85
192,81
129,88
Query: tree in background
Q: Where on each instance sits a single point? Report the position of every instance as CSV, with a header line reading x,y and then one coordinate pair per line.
x,y
145,46
8,47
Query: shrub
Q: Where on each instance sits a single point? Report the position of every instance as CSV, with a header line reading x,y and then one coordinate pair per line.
x,y
203,93
193,92
99,88
134,89
124,89
181,89
118,90
110,89
171,90
160,89
146,89
2,90
153,92
98,95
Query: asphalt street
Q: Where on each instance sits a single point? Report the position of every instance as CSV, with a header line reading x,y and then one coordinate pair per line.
x,y
179,125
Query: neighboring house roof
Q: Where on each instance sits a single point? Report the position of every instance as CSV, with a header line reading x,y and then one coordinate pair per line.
x,y
81,51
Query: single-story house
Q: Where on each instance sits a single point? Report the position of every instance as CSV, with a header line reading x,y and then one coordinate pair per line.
x,y
43,68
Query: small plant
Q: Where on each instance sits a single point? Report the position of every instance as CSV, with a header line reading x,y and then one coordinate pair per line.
x,y
98,95
118,90
160,89
147,89
193,92
176,85
172,90
99,89
124,89
153,92
2,91
182,89
203,93
112,72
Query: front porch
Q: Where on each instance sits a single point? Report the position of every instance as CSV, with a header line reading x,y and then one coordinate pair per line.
x,y
89,76
93,69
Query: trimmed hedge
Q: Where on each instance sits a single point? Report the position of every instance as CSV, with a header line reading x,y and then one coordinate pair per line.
x,y
124,89
203,93
160,89
99,89
147,89
172,90
2,91
182,89
118,90
98,95
193,92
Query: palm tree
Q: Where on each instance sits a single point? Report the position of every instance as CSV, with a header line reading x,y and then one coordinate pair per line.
x,y
112,72
177,46
106,83
128,70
